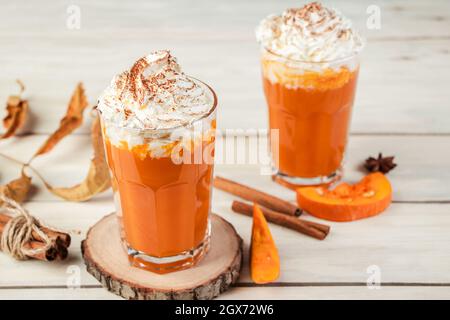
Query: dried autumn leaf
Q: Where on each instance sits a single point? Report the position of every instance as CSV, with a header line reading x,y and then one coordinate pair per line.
x,y
97,179
71,121
17,189
16,116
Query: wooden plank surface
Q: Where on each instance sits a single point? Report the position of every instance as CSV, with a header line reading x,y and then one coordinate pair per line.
x,y
263,293
422,174
404,243
402,108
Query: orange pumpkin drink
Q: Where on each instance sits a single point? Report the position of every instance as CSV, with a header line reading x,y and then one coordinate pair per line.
x,y
158,126
310,69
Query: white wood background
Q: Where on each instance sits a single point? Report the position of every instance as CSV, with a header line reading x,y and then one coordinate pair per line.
x,y
402,108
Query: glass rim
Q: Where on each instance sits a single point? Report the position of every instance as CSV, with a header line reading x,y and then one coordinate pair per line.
x,y
349,57
187,125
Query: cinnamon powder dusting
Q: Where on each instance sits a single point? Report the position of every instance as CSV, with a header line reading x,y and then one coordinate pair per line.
x,y
312,33
154,93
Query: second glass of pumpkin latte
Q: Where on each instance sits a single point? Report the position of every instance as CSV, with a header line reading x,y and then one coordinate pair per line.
x,y
159,126
310,68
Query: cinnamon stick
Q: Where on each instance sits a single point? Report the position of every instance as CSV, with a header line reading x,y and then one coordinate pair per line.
x,y
61,250
259,197
52,234
312,229
48,255
58,249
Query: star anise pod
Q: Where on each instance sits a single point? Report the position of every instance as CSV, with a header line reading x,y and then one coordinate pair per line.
x,y
382,164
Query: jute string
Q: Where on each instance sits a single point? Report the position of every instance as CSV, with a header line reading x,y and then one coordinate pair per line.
x,y
19,229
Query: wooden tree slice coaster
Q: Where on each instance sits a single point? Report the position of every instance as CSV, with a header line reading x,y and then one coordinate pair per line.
x,y
107,261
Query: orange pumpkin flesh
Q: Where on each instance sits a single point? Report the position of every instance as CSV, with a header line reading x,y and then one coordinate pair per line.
x,y
369,197
264,259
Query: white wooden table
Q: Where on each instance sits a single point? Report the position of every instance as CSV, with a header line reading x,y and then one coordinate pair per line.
x,y
402,108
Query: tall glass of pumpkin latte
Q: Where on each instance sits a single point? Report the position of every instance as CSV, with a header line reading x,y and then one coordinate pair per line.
x,y
159,128
310,65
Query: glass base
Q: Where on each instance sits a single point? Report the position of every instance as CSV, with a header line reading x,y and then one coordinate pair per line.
x,y
294,182
163,265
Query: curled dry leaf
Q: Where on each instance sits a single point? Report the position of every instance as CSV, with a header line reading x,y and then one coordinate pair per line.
x,y
71,121
17,189
17,110
97,179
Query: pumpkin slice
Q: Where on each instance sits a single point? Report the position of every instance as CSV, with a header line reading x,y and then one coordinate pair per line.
x,y
369,197
264,259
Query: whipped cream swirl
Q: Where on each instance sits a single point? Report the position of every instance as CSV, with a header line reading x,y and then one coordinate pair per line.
x,y
312,33
154,94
